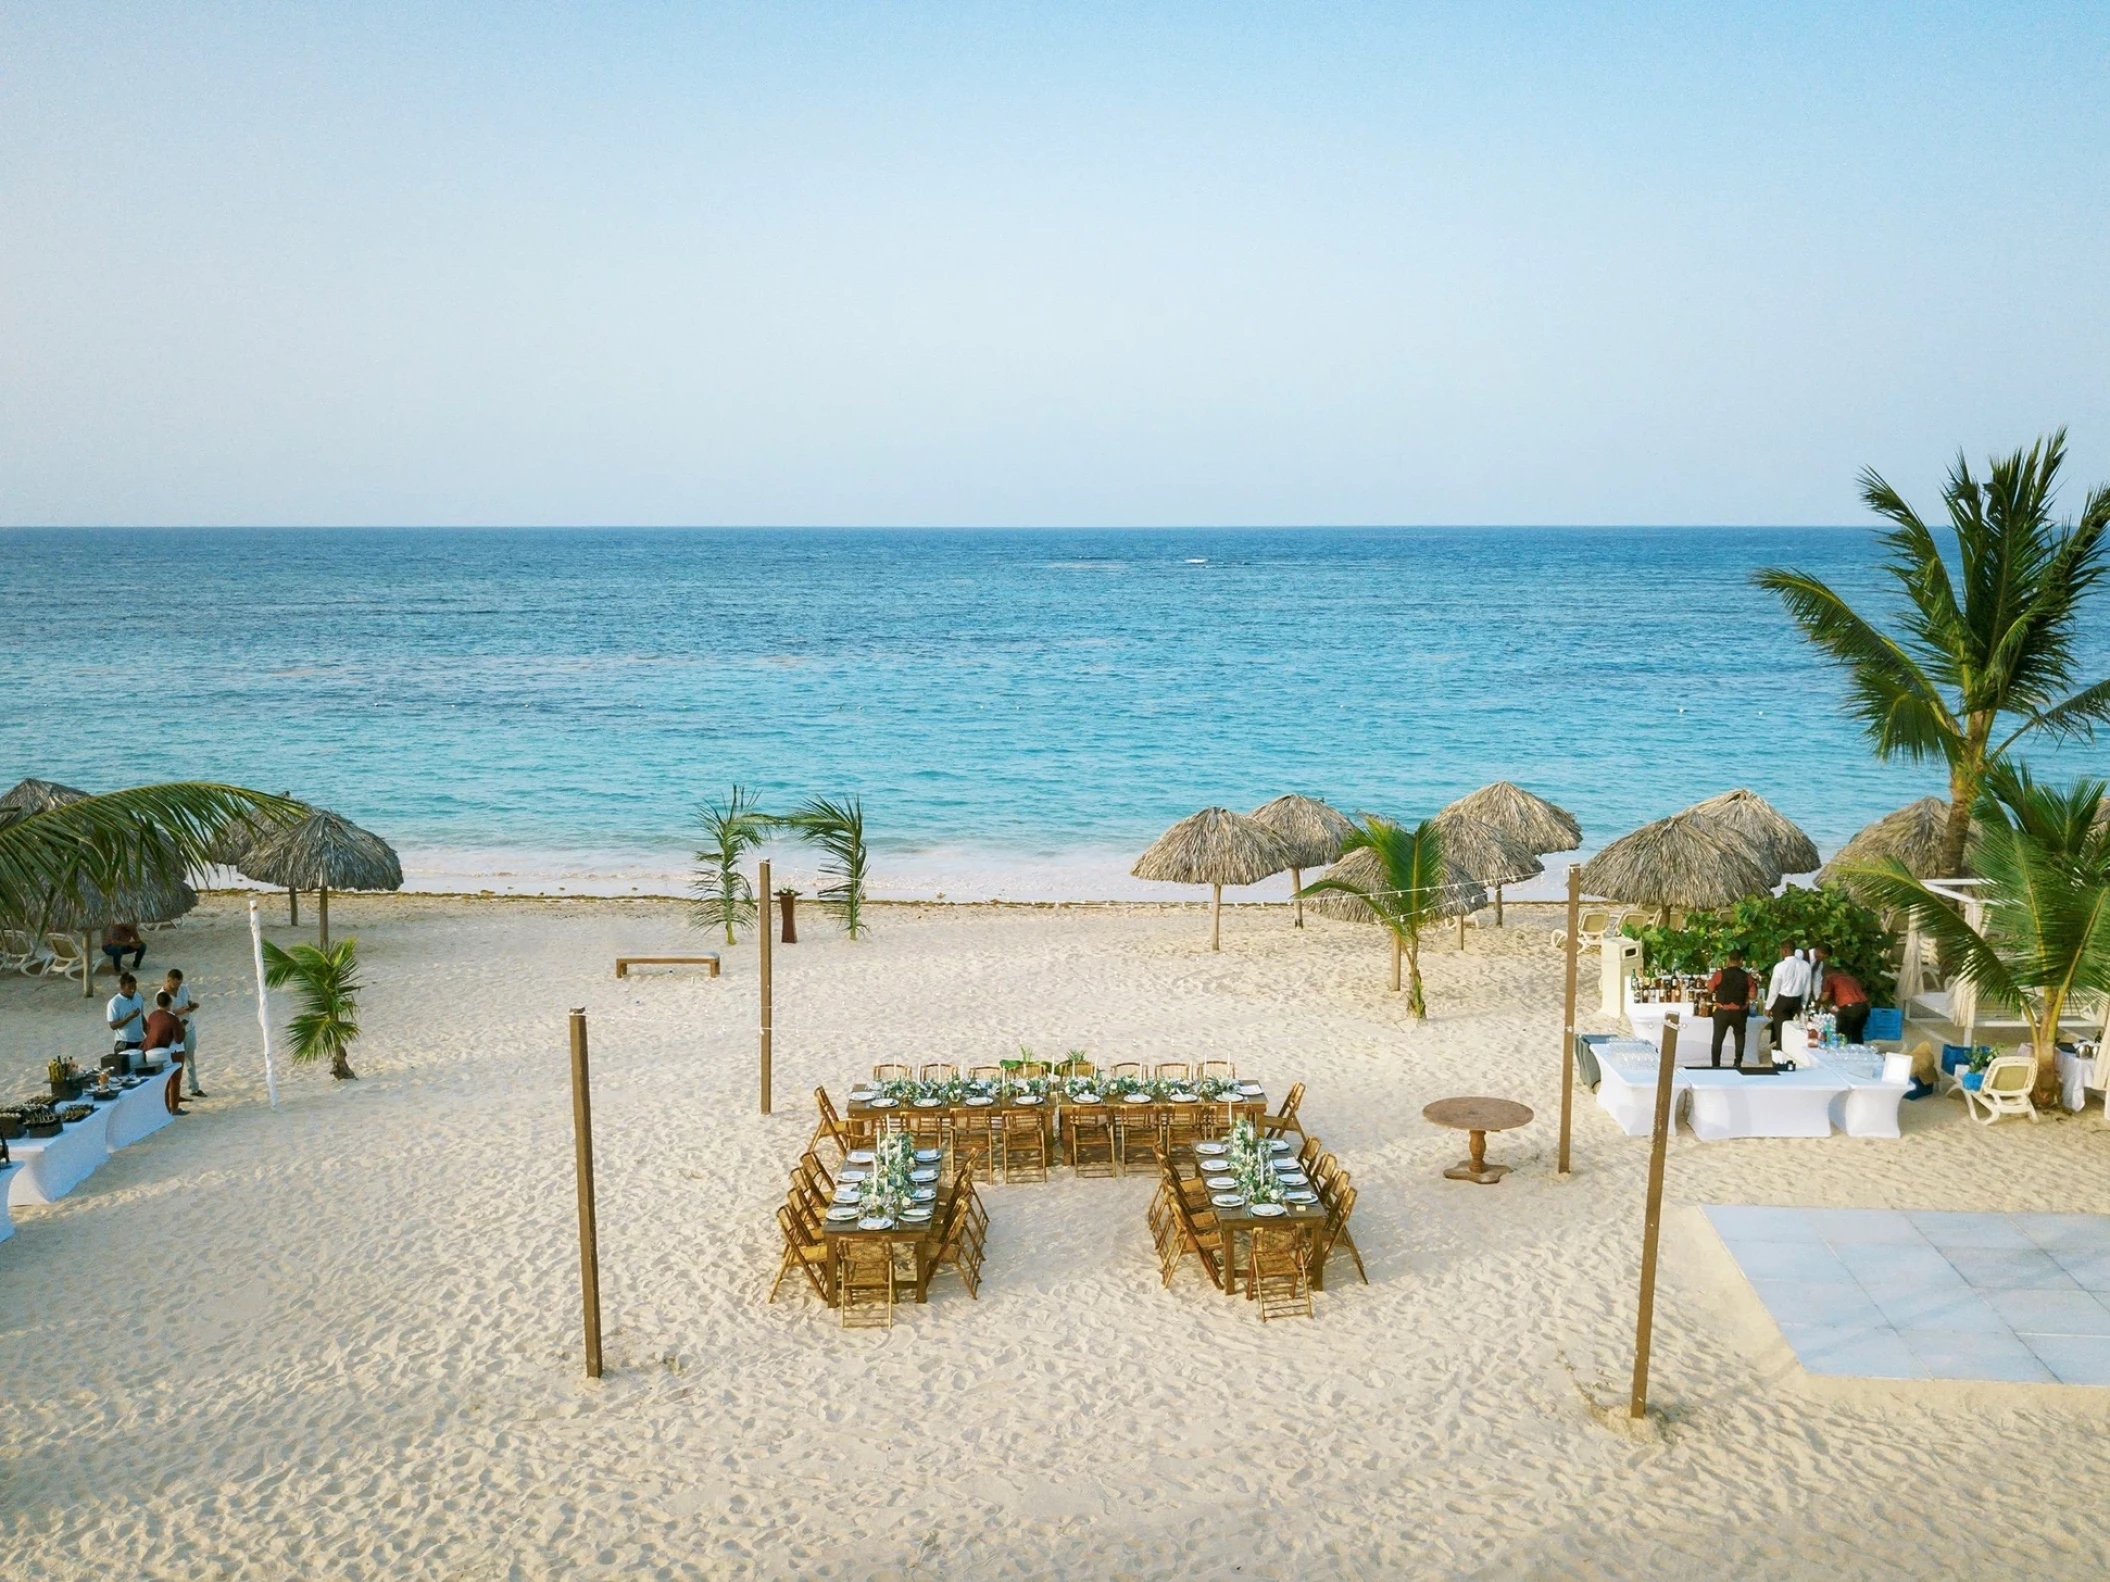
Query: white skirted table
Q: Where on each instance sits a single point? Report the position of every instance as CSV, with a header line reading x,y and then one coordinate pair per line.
x,y
141,1112
47,1168
1856,1090
1726,1104
1695,1033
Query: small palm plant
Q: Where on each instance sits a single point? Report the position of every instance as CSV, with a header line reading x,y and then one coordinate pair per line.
x,y
837,827
731,829
326,978
2044,938
1408,892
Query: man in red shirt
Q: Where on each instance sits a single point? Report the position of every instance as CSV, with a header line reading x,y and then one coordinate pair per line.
x,y
1843,993
165,1032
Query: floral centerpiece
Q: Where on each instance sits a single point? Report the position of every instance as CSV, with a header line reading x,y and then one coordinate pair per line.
x,y
1252,1164
887,1189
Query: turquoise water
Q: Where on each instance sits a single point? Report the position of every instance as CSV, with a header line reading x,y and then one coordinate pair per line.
x,y
1021,711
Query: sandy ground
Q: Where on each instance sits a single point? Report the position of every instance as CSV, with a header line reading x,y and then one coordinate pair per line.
x,y
341,1340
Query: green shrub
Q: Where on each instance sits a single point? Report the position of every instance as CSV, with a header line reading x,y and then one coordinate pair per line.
x,y
1759,924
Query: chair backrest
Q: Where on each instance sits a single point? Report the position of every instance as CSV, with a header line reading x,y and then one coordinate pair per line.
x,y
2009,1075
891,1071
1126,1068
1289,1105
1076,1067
1220,1068
1308,1155
1596,924
938,1071
1175,1070
1028,1069
985,1073
829,1118
64,946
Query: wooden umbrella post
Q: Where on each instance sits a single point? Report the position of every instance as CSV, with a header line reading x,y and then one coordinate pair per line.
x,y
582,1147
1216,911
1498,906
767,1008
292,907
88,967
322,909
1395,963
1568,1018
1652,1224
1296,890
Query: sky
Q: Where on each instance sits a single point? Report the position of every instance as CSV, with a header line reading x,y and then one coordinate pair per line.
x,y
900,264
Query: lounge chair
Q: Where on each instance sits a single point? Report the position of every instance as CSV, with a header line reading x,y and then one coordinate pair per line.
x,y
1590,929
18,950
66,959
2005,1090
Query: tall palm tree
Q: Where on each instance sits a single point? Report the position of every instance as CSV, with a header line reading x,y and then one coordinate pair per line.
x,y
837,826
1409,895
1970,669
731,829
2045,935
109,842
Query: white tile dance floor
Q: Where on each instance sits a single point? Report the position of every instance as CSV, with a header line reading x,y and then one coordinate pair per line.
x,y
1918,1294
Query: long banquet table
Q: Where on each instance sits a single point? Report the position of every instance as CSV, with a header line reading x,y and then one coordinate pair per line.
x,y
1843,1088
1052,1110
51,1167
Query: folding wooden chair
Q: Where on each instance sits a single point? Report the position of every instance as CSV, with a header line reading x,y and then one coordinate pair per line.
x,y
1205,1241
809,1253
1335,1234
891,1071
938,1071
1222,1070
830,1126
1076,1066
1025,1146
1276,1277
961,1248
1183,1129
985,1073
864,1272
1126,1068
1285,1119
1175,1071
1091,1139
974,1143
1308,1155
1141,1143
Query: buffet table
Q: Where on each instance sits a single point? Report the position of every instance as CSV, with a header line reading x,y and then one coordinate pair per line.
x,y
141,1112
1626,1084
50,1167
1797,1103
1852,1089
1695,1032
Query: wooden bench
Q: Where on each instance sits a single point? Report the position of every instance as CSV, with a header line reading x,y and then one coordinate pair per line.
x,y
623,964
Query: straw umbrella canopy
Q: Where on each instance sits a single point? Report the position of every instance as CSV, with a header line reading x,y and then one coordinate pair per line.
x,y
1484,851
1214,847
1533,823
1683,861
1761,829
323,851
39,796
1462,892
1310,831
86,909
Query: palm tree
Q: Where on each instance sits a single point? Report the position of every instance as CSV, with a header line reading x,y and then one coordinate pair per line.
x,y
2045,937
327,977
1409,895
111,842
731,829
837,826
1962,663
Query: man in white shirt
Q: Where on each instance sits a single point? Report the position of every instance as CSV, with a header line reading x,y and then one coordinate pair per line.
x,y
1813,991
1784,991
127,1013
184,1004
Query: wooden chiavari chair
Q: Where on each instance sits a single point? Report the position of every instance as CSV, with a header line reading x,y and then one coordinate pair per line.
x,y
1091,1139
1126,1068
864,1274
892,1071
1175,1071
938,1071
1276,1277
1142,1149
1285,1119
1223,1070
1024,1140
1308,1155
810,1253
830,1127
1335,1234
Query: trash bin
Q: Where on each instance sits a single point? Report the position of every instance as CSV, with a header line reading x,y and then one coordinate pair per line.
x,y
1620,957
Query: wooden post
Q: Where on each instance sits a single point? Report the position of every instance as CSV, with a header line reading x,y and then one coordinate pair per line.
x,y
582,1148
1461,930
1216,912
1498,906
292,907
767,1009
322,907
1296,883
88,967
1568,1021
1652,1224
1395,962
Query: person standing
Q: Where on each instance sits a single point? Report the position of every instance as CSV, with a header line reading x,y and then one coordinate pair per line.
x,y
1843,992
185,1005
1819,957
127,1014
165,1036
1784,992
1730,989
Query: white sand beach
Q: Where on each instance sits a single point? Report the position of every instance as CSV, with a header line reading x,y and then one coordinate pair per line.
x,y
342,1339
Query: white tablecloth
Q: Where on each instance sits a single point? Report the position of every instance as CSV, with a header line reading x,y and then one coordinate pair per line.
x,y
1727,1104
1876,1084
1626,1086
142,1112
1695,1033
2076,1077
50,1167
7,1222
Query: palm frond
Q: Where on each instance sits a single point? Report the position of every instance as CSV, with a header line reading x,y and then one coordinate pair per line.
x,y
1897,702
837,827
731,828
327,980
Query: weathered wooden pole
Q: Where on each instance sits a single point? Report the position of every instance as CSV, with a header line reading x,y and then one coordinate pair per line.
x,y
1568,1020
582,1149
322,910
292,907
1216,912
1652,1224
767,1010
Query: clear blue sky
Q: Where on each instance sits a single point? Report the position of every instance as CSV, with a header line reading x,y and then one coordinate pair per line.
x,y
808,263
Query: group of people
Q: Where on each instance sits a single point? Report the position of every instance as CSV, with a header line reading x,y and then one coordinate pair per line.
x,y
168,1026
1801,980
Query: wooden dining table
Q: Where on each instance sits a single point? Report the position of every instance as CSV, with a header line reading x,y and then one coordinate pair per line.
x,y
1303,1218
925,1238
1052,1109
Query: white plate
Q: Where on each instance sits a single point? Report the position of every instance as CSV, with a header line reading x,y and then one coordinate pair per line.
x,y
923,1175
916,1216
846,1199
884,1104
1282,1145
1208,1148
875,1222
853,1175
1138,1098
1027,1098
1227,1200
1301,1197
930,1104
1089,1098
1269,1210
1294,1178
1251,1090
930,1156
841,1216
1186,1098
925,1195
859,1156
1212,1166
978,1102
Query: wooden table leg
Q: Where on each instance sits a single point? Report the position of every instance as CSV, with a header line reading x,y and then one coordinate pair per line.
x,y
1476,1168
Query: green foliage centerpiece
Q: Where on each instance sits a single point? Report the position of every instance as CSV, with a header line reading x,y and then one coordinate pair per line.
x,y
1252,1164
889,1190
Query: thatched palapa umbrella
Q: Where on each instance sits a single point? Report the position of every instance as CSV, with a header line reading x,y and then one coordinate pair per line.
x,y
87,909
1462,894
1310,831
1913,835
1761,829
1478,848
1524,820
39,796
1215,847
323,851
1683,861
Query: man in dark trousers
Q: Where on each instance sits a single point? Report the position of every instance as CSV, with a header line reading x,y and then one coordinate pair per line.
x,y
1849,1002
1730,988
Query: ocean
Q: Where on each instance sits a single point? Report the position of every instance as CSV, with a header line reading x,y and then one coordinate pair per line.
x,y
1021,711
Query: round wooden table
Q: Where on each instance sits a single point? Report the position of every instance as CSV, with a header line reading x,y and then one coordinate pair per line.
x,y
1478,1117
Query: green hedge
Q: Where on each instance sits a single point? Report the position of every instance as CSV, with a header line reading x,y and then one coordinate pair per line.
x,y
1759,924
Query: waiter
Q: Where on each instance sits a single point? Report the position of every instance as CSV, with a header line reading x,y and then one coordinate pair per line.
x,y
1730,989
1784,992
1843,992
